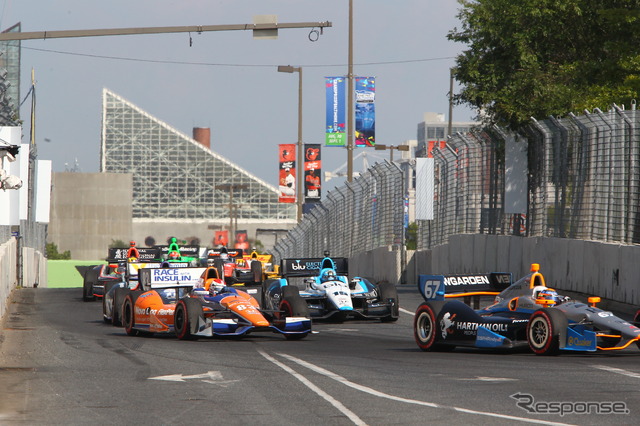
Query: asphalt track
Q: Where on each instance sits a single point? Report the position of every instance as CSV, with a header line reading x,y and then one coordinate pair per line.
x,y
61,365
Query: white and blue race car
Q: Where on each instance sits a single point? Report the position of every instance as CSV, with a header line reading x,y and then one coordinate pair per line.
x,y
330,294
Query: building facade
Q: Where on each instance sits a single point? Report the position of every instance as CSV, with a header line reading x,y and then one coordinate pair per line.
x,y
179,183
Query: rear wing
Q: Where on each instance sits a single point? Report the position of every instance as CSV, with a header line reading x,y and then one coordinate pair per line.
x,y
188,251
437,287
147,254
310,267
152,278
214,253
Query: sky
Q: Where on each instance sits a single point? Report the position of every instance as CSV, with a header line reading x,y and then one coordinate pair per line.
x,y
228,81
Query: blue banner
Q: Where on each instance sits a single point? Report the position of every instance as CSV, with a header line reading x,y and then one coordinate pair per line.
x,y
365,111
335,121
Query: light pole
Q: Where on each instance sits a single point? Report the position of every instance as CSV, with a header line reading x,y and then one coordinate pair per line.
x,y
231,187
350,98
380,147
300,161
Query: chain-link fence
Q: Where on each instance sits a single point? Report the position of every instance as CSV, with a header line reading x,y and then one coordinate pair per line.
x,y
362,215
583,175
583,180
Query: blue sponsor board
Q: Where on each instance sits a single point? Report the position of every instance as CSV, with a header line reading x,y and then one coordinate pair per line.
x,y
335,108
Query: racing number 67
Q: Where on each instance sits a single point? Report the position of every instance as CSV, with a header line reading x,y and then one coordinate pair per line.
x,y
430,289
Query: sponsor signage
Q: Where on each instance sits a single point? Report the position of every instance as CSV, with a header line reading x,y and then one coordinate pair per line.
x,y
335,111
306,267
365,114
287,173
312,173
145,254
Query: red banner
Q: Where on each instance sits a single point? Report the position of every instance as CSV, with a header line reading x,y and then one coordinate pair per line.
x,y
221,238
287,173
312,173
242,240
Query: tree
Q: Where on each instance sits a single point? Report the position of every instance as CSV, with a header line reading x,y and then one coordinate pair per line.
x,y
535,58
52,252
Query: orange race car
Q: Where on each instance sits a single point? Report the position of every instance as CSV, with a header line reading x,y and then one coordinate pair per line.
x,y
206,308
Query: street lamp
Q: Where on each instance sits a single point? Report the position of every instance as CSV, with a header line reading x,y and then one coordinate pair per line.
x,y
300,166
231,187
350,98
380,147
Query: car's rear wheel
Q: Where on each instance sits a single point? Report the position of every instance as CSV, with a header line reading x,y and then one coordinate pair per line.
x,y
636,320
87,286
256,269
118,300
389,294
128,314
425,328
544,329
185,318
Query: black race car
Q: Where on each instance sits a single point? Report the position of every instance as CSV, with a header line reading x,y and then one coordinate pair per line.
x,y
525,313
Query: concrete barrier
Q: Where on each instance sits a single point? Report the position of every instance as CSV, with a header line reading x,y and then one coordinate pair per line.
x,y
8,275
611,271
33,270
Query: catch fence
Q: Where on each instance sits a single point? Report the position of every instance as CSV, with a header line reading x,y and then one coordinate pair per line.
x,y
582,182
358,216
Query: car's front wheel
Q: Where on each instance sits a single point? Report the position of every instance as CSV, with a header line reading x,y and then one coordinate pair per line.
x,y
185,318
293,305
544,329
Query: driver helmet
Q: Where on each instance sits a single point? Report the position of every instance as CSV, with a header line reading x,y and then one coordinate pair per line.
x,y
224,256
174,255
330,275
132,243
548,295
216,287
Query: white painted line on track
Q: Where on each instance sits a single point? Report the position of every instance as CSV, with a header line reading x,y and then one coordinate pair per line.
x,y
618,371
374,392
407,312
331,400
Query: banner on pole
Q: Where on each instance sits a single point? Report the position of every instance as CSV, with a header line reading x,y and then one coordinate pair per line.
x,y
287,173
335,117
312,173
365,113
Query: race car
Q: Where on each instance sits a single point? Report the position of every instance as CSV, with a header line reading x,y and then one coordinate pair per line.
x,y
262,264
525,313
212,309
114,297
232,266
96,277
330,295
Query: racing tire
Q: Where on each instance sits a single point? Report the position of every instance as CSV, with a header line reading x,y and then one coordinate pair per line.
x,y
256,269
128,314
293,305
219,265
185,318
118,300
636,320
87,287
388,291
544,330
107,287
425,327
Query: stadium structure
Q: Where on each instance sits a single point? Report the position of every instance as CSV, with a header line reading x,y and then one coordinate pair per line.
x,y
179,181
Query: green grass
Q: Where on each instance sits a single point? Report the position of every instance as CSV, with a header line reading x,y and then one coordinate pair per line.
x,y
63,273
